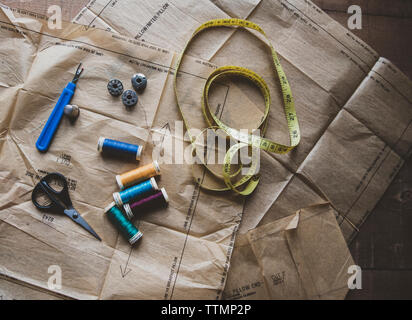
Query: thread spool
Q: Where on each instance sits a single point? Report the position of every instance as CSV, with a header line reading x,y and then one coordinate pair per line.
x,y
138,190
139,174
155,200
126,228
117,148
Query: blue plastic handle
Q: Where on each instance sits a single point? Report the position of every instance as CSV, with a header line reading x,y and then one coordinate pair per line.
x,y
46,136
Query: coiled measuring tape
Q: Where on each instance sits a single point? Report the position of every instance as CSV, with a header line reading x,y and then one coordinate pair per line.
x,y
250,180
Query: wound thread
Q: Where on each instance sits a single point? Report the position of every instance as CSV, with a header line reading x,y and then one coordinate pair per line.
x,y
151,202
119,148
139,174
126,228
136,191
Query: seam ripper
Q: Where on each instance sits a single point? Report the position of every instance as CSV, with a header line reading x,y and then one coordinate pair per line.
x,y
49,130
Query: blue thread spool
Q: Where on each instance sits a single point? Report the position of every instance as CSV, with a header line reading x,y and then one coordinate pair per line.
x,y
140,189
116,148
126,228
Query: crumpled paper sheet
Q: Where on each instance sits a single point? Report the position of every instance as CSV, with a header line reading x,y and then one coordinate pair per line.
x,y
328,67
301,256
355,109
10,290
163,22
186,248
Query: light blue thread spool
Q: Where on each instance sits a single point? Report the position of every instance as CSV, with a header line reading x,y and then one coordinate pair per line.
x,y
126,228
119,148
140,189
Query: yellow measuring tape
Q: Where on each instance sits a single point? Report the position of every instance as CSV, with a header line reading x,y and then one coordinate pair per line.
x,y
250,180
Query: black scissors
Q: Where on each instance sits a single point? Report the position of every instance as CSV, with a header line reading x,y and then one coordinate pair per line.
x,y
58,201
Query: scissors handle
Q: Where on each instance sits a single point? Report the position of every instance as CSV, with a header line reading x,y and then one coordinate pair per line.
x,y
60,200
57,198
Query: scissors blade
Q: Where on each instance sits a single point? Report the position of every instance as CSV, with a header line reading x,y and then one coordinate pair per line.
x,y
76,217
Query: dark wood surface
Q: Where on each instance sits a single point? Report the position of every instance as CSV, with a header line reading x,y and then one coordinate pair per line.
x,y
383,247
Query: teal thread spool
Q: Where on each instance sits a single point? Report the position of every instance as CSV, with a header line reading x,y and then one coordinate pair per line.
x,y
126,228
122,197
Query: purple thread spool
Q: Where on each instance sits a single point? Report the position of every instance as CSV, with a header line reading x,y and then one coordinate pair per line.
x,y
159,198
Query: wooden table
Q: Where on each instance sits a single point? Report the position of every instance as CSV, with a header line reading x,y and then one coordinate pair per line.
x,y
383,248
